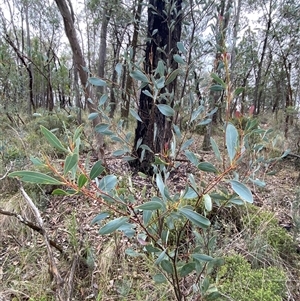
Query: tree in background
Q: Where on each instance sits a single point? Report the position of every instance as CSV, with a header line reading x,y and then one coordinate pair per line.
x,y
157,97
69,23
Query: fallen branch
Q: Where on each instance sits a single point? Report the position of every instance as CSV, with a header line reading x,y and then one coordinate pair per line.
x,y
71,278
293,155
60,292
8,170
34,227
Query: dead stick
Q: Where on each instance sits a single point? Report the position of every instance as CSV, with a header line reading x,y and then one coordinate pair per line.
x,y
60,293
33,227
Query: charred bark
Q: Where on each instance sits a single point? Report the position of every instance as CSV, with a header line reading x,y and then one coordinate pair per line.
x,y
155,130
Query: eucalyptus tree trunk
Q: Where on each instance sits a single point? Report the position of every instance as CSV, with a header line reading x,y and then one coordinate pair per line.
x,y
220,34
79,62
235,36
103,45
30,71
258,79
128,85
155,128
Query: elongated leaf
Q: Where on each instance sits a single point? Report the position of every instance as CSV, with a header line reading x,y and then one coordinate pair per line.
x,y
152,205
95,81
160,83
187,269
166,110
232,136
285,153
108,183
96,170
216,88
103,99
59,191
52,139
186,144
207,166
128,158
138,75
190,194
178,59
205,121
70,162
119,152
258,182
118,69
146,147
132,253
82,180
150,249
202,257
135,115
36,161
167,266
161,185
236,201
159,278
218,80
128,229
192,157
160,68
99,217
177,131
35,177
212,112
113,225
207,202
147,214
195,218
172,76
77,133
148,93
238,91
215,148
93,116
242,190
196,113
161,256
181,48
101,128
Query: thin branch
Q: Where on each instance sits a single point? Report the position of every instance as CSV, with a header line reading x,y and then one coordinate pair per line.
x,y
60,293
8,170
32,226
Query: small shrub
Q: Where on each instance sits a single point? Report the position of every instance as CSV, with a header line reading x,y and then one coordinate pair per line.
x,y
265,225
239,281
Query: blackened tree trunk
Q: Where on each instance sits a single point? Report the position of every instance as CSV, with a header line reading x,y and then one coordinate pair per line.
x,y
164,31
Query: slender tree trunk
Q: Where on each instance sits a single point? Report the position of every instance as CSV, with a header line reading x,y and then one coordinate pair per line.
x,y
258,85
128,86
79,63
223,21
103,45
28,42
155,130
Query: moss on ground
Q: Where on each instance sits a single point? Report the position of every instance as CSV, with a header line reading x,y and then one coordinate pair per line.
x,y
240,282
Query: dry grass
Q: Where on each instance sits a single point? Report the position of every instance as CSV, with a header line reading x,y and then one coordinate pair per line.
x,y
103,271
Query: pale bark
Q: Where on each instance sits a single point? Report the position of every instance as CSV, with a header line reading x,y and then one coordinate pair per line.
x,y
79,61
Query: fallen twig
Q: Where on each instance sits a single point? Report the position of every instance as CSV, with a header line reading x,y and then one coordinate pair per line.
x,y
60,292
33,227
8,170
